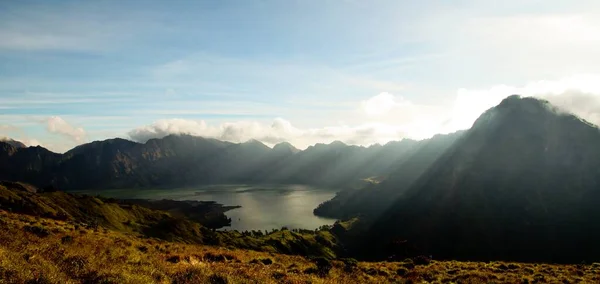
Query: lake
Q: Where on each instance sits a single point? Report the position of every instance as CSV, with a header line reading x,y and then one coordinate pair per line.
x,y
264,207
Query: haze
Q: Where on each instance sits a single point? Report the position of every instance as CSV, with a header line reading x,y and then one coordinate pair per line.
x,y
300,71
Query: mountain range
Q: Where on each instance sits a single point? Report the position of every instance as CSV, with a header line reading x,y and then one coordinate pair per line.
x,y
522,184
184,160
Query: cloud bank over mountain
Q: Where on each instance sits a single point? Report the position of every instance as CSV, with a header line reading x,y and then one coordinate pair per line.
x,y
378,119
279,130
388,117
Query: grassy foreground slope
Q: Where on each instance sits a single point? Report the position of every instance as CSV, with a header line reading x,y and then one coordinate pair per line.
x,y
121,216
56,237
40,250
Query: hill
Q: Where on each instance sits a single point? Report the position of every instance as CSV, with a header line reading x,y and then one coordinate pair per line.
x,y
522,184
60,249
182,221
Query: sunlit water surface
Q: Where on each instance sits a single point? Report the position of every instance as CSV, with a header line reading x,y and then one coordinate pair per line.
x,y
264,207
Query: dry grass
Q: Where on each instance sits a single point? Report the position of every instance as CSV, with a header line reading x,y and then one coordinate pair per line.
x,y
39,250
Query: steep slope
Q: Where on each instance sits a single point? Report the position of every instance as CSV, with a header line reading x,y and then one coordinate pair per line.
x,y
96,163
32,164
522,184
411,160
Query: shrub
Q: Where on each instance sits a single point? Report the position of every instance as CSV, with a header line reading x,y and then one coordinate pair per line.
x,y
323,266
349,264
278,275
513,266
37,230
38,280
422,260
217,279
311,270
402,271
66,240
266,261
173,259
143,249
95,277
190,275
218,257
371,271
75,265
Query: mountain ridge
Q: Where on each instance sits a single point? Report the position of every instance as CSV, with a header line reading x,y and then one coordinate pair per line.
x,y
522,184
185,160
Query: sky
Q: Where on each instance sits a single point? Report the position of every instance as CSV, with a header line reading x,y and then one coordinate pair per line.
x,y
362,72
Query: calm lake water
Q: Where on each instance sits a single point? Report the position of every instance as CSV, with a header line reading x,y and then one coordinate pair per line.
x,y
264,207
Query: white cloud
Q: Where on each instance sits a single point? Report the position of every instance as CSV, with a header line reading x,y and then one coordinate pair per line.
x,y
279,130
380,104
30,142
578,94
281,78
416,120
15,133
56,124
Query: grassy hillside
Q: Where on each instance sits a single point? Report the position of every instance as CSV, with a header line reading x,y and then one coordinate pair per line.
x,y
97,212
42,250
56,237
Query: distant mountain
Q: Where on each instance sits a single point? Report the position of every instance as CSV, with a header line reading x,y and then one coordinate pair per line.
x,y
376,195
285,148
184,160
13,143
522,184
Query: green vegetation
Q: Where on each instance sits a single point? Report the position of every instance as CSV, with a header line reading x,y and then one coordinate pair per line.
x,y
107,213
68,253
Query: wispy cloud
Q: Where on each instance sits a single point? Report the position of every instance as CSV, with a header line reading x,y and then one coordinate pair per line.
x,y
272,78
58,125
64,27
358,73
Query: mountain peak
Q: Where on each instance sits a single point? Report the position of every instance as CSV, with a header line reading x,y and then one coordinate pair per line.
x,y
13,143
526,103
256,144
253,142
516,111
338,143
285,146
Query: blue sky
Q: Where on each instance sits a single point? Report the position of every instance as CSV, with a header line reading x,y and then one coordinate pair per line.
x,y
362,72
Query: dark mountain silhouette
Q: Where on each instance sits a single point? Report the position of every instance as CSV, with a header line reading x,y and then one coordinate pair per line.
x,y
372,199
27,164
184,160
14,143
522,184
